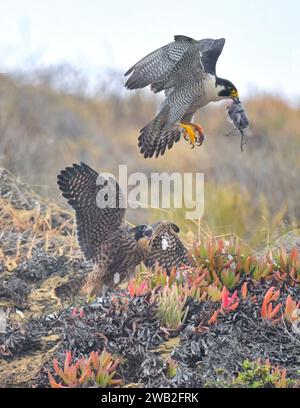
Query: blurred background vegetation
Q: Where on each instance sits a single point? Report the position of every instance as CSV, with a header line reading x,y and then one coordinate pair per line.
x,y
49,119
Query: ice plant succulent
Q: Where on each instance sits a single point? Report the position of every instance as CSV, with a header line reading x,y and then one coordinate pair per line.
x,y
289,264
244,290
214,293
136,288
229,303
291,310
214,317
258,374
98,370
225,262
229,277
267,310
171,309
161,278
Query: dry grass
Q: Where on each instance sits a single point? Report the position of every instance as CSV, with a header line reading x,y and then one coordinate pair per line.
x,y
29,223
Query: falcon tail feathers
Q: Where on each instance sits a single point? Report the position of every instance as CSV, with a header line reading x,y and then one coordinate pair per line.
x,y
155,138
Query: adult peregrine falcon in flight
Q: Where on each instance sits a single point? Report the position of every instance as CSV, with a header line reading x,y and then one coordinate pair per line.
x,y
103,236
186,70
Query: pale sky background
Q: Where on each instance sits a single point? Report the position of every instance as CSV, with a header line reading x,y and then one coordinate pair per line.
x,y
262,50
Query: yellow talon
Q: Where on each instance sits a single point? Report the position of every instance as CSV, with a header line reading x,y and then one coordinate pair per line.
x,y
190,131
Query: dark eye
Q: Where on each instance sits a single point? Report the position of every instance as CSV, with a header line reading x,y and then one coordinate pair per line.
x,y
142,228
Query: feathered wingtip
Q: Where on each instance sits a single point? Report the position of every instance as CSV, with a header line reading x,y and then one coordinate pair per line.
x,y
183,38
63,181
66,180
72,171
136,80
129,71
219,43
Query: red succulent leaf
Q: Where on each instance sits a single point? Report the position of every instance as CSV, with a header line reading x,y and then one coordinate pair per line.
x,y
53,383
274,312
220,246
244,290
131,288
229,303
68,360
267,311
275,295
225,294
214,317
55,366
294,254
234,306
290,307
87,373
269,294
59,371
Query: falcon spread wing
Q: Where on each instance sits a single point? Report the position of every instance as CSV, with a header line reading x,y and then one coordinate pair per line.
x,y
161,66
102,233
80,185
178,68
166,248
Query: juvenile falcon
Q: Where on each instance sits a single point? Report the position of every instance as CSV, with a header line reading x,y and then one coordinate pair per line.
x,y
185,70
166,248
102,233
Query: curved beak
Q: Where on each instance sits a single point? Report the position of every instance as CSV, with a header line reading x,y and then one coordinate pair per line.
x,y
235,95
148,232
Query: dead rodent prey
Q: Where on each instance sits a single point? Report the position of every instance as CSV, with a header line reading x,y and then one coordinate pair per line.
x,y
238,117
